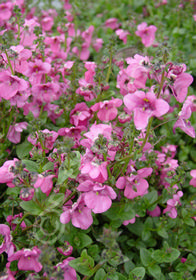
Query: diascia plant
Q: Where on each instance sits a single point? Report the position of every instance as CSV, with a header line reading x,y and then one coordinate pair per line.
x,y
95,176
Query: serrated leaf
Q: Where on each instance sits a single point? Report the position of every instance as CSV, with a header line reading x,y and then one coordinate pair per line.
x,y
138,272
31,207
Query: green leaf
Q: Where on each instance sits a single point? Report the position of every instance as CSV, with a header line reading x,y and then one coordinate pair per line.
x,y
23,149
31,165
83,264
162,232
165,255
81,240
54,200
119,211
48,166
176,276
189,221
145,256
138,272
32,207
13,191
100,274
155,271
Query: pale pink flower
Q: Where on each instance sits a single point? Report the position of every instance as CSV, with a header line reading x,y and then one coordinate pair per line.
x,y
122,34
112,23
47,23
80,114
97,44
46,92
95,170
14,132
193,180
145,105
87,35
27,259
146,33
6,10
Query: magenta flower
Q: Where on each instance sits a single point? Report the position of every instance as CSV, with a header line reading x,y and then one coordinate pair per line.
x,y
193,180
66,250
27,259
146,33
27,194
14,132
107,109
69,272
171,205
6,10
6,246
79,214
10,85
145,105
97,197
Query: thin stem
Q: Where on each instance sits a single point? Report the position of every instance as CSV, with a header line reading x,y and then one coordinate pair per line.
x,y
147,135
22,219
9,63
109,69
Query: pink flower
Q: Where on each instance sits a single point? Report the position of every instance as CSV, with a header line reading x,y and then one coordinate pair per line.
x,y
80,114
27,194
10,85
135,185
47,23
132,221
182,121
46,92
69,272
97,197
10,219
27,259
171,205
145,105
112,23
155,213
48,138
45,183
6,10
6,174
95,170
193,180
122,35
14,132
107,109
66,250
79,214
97,44
6,246
146,33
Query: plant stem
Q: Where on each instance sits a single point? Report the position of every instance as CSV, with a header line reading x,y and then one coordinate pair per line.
x,y
9,63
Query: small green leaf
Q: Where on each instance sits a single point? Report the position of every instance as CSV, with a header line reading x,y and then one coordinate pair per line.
x,y
155,271
168,255
83,264
145,256
31,165
81,240
23,149
138,272
100,274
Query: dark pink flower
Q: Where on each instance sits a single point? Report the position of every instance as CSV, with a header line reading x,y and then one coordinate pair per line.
x,y
27,259
27,194
145,105
146,33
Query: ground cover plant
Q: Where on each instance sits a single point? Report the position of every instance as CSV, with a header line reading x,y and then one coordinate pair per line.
x,y
97,141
